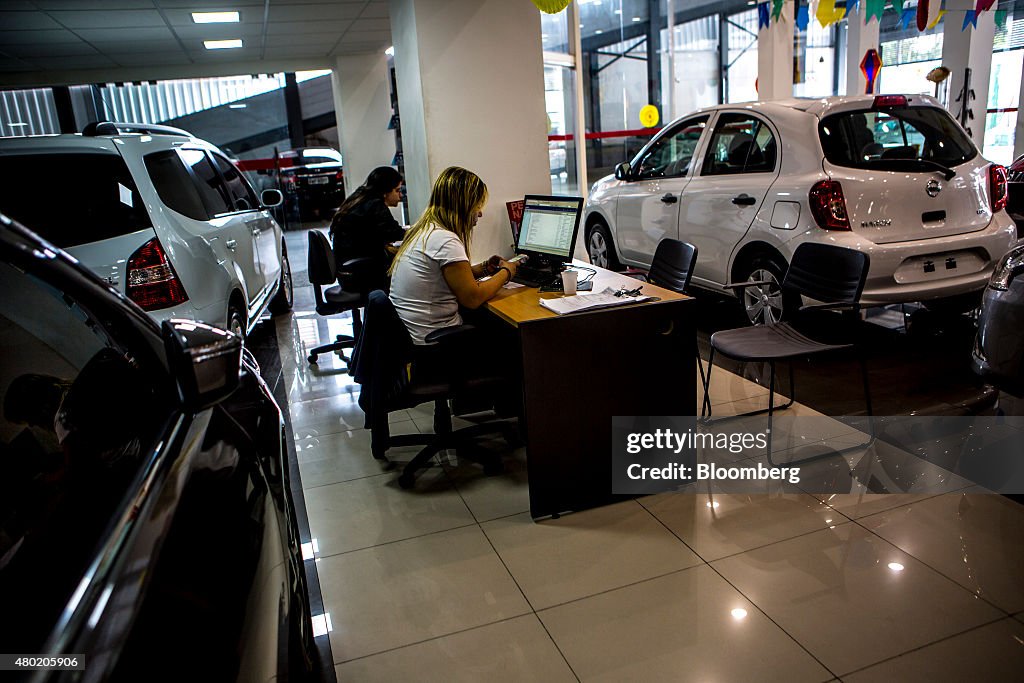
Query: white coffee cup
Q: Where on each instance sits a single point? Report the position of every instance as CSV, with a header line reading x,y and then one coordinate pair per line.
x,y
569,281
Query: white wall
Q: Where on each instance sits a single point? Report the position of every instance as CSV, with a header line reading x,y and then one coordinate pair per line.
x,y
362,105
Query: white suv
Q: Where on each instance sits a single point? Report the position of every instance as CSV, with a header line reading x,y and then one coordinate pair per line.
x,y
164,217
893,176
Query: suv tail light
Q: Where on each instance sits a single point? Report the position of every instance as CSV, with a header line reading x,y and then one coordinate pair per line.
x,y
152,282
339,175
997,187
828,205
883,101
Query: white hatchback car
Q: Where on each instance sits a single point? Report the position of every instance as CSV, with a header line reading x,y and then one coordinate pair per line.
x,y
164,217
894,176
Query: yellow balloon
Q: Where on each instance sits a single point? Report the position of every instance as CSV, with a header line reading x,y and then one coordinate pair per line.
x,y
551,6
649,116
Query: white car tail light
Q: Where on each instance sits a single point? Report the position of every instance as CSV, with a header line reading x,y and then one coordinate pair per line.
x,y
152,282
997,187
828,205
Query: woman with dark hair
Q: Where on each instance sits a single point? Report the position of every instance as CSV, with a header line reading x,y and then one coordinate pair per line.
x,y
363,227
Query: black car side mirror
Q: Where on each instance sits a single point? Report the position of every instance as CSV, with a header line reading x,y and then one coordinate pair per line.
x,y
622,171
206,361
271,198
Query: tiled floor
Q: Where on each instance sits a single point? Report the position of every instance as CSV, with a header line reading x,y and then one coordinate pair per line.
x,y
453,581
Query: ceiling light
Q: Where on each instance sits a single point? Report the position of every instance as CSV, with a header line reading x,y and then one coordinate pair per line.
x,y
598,31
636,18
222,44
237,106
17,124
215,17
895,566
739,613
390,52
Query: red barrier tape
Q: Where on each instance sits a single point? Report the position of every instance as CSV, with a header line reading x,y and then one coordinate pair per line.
x,y
635,133
263,164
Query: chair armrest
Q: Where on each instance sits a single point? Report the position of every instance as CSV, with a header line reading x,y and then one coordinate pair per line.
x,y
744,285
449,335
833,306
356,265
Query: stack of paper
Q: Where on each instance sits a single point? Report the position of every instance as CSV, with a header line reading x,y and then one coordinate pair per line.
x,y
587,302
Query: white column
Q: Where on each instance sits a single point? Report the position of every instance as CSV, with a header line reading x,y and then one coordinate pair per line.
x,y
775,57
470,79
362,106
969,49
860,38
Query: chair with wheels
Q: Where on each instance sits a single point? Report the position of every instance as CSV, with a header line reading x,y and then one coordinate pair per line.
x,y
323,272
396,375
672,268
831,276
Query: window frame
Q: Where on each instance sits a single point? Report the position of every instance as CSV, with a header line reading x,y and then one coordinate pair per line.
x,y
663,138
762,122
257,205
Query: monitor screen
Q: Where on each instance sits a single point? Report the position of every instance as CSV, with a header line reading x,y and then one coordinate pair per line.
x,y
549,226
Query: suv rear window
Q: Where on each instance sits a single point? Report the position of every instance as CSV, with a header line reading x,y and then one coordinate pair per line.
x,y
898,139
72,198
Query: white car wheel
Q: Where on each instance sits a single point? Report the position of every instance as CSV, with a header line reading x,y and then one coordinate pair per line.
x,y
601,249
763,303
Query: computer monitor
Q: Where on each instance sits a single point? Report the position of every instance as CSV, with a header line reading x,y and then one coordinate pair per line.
x,y
549,229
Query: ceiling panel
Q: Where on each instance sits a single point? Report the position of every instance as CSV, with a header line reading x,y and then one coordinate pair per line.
x,y
356,47
369,36
99,35
297,51
218,31
375,10
26,20
106,5
301,27
341,10
13,65
210,5
133,47
82,62
148,58
36,37
372,25
327,39
53,50
104,19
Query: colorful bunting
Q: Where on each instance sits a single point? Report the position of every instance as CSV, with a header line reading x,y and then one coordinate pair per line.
x,y
803,17
908,14
851,5
777,6
551,6
873,9
763,15
970,17
938,18
828,14
984,6
1001,18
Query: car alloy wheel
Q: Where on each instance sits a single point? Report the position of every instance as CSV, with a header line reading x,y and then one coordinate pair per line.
x,y
597,248
763,303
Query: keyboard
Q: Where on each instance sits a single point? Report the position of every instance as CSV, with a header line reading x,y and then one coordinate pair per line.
x,y
533,277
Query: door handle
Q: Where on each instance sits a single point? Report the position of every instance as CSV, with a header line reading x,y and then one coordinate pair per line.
x,y
744,200
670,198
231,244
256,232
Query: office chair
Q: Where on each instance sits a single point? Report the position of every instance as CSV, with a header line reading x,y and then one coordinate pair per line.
x,y
323,272
830,275
383,358
672,268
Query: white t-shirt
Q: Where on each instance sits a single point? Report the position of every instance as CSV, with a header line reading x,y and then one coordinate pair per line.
x,y
419,292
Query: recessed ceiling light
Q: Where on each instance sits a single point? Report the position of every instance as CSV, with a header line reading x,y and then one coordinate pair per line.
x,y
222,44
237,106
636,18
598,31
215,17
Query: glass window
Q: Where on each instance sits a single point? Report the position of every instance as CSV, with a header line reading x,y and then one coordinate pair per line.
x,y
670,156
894,137
208,182
741,144
73,198
174,184
81,410
241,194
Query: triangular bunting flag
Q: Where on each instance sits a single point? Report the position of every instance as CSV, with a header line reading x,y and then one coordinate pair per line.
x,y
970,17
983,6
763,15
873,9
777,9
827,13
1001,18
803,17
851,5
905,19
551,6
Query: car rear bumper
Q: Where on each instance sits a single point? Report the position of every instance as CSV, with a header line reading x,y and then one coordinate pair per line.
x,y
925,270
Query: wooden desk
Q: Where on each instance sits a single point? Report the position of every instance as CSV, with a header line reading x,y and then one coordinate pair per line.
x,y
583,369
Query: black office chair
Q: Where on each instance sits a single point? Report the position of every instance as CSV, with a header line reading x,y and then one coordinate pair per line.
x,y
831,276
672,268
323,272
391,372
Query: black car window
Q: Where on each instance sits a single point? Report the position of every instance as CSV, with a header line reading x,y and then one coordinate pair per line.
x,y
670,156
238,188
174,184
894,138
72,198
79,412
741,143
207,181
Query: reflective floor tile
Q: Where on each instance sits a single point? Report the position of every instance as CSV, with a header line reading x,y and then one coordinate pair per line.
x,y
687,626
990,653
344,456
851,598
974,539
587,552
332,415
367,512
402,593
491,497
716,525
515,650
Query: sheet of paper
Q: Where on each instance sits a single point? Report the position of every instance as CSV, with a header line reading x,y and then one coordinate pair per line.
x,y
586,302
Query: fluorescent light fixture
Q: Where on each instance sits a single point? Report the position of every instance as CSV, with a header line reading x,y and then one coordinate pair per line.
x,y
222,44
17,124
636,18
237,106
598,32
215,17
390,52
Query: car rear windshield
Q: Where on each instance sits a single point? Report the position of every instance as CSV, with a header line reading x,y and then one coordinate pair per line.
x,y
900,138
72,198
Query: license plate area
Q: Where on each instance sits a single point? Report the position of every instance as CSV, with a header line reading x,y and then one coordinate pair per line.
x,y
939,266
318,180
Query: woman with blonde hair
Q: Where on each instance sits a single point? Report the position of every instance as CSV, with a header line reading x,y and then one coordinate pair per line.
x,y
431,275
